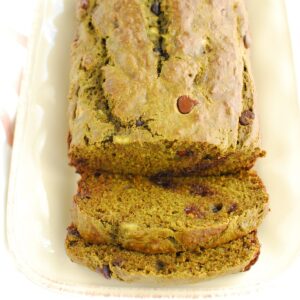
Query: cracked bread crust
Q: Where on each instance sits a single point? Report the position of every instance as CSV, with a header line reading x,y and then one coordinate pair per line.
x,y
131,67
181,267
167,215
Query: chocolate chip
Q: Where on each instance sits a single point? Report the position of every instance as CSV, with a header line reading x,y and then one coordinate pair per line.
x,y
97,174
232,208
217,207
247,117
72,230
84,4
90,25
247,41
185,153
185,104
139,123
166,183
160,265
155,8
105,271
201,190
163,180
86,140
192,209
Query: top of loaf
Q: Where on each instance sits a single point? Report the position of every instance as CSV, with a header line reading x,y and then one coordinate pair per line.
x,y
146,70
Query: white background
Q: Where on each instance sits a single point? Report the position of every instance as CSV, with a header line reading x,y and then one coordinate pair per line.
x,y
15,16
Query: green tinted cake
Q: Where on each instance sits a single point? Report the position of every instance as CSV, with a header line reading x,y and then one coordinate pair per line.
x,y
162,86
113,262
164,214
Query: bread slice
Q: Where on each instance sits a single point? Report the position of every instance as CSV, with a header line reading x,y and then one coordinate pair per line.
x,y
166,214
114,262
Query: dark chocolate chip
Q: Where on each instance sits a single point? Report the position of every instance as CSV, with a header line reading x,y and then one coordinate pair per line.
x,y
90,25
232,208
97,174
192,209
163,180
166,183
247,41
160,265
201,190
86,140
105,271
185,153
217,207
247,117
84,4
155,8
72,230
139,123
185,104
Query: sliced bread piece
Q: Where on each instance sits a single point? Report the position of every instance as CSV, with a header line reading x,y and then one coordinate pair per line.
x,y
166,214
114,262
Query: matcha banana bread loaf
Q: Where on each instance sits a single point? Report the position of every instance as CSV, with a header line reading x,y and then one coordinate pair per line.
x,y
168,214
114,262
162,86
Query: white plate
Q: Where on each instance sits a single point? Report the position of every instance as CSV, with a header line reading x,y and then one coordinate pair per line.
x,y
42,184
